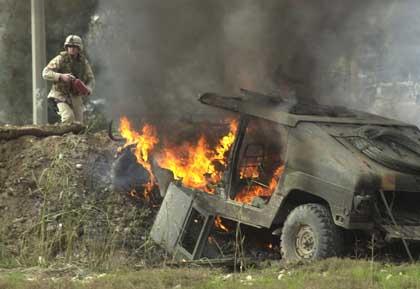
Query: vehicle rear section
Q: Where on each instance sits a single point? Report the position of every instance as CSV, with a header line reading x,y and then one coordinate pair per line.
x,y
392,196
397,214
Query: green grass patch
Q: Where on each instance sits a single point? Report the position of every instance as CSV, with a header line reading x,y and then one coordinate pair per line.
x,y
332,273
13,280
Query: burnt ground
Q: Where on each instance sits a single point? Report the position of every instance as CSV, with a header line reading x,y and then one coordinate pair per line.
x,y
56,204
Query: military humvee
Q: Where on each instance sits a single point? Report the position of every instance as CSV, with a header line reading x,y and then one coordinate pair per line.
x,y
342,170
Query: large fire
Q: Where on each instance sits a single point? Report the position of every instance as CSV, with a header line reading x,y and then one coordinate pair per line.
x,y
197,164
249,192
144,143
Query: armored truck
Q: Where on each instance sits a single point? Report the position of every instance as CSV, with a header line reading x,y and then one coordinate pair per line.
x,y
337,170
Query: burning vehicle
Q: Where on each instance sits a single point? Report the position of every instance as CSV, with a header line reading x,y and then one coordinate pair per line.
x,y
296,176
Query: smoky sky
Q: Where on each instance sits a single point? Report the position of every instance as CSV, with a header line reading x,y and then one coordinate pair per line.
x,y
153,58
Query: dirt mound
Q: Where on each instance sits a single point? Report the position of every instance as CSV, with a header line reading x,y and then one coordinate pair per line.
x,y
56,202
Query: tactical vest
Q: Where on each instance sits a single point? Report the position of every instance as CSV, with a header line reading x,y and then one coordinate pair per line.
x,y
75,66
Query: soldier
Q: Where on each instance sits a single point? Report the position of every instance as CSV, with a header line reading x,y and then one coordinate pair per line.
x,y
64,71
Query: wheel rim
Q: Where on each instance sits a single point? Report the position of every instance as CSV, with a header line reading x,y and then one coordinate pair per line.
x,y
305,242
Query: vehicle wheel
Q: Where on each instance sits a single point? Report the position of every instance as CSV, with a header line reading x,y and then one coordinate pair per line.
x,y
309,233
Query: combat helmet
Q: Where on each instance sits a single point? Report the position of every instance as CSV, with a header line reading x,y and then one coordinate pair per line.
x,y
74,40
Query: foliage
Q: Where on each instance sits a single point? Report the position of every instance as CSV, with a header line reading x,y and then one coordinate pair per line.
x,y
15,48
15,60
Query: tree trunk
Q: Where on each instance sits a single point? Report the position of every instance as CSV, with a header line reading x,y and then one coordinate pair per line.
x,y
13,132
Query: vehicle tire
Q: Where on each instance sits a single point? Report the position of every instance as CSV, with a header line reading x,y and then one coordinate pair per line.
x,y
309,233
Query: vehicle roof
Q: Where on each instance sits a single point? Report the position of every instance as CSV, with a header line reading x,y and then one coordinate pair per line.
x,y
291,113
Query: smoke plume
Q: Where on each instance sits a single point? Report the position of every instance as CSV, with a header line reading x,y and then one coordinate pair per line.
x,y
153,58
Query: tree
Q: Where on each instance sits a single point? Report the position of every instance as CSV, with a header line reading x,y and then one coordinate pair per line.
x,y
15,53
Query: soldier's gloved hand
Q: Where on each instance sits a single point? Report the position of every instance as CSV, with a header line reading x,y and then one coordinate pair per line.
x,y
66,77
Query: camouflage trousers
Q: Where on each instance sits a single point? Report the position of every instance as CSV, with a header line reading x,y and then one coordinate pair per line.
x,y
71,113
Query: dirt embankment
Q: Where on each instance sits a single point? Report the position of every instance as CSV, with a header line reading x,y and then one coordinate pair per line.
x,y
56,202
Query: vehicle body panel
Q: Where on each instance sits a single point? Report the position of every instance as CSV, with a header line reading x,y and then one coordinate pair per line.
x,y
321,164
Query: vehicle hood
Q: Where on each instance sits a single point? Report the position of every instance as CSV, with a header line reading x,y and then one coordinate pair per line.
x,y
351,156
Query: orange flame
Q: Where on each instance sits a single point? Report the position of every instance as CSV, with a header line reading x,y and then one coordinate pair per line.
x,y
189,163
248,193
218,224
144,143
195,164
226,142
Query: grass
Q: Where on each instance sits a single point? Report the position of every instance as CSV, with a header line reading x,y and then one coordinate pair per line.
x,y
73,225
331,273
60,216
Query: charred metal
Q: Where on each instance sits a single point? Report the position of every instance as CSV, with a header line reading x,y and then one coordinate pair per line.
x,y
337,169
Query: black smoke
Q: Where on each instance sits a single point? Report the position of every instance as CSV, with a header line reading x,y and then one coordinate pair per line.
x,y
153,58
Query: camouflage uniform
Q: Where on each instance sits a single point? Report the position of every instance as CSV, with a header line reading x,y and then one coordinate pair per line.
x,y
69,103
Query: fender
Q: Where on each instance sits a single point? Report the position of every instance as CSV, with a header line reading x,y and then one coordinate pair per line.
x,y
338,198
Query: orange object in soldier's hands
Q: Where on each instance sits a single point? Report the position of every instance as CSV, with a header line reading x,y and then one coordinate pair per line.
x,y
80,87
